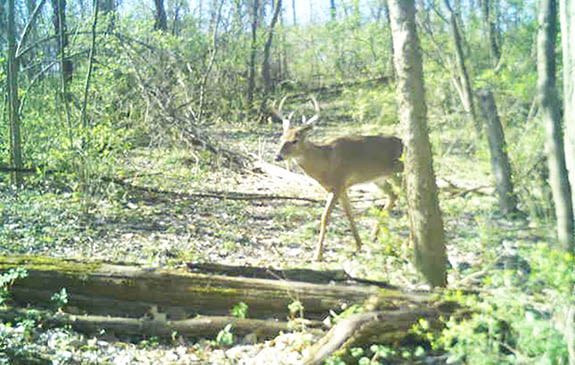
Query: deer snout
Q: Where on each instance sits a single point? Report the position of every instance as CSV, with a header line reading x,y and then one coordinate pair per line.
x,y
279,157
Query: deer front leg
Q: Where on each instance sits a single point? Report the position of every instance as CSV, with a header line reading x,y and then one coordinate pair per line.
x,y
347,209
329,204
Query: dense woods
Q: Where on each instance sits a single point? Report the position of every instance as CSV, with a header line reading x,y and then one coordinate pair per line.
x,y
144,133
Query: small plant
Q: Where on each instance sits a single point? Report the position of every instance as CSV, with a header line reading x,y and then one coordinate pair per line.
x,y
295,309
225,337
240,310
60,299
7,279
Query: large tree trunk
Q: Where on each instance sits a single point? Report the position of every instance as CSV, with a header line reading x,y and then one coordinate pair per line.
x,y
426,223
13,99
568,42
550,108
498,149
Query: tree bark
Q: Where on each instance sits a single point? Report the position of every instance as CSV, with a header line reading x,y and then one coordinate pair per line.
x,y
498,150
426,223
390,67
266,73
160,18
567,11
253,52
489,14
61,29
550,109
14,100
464,79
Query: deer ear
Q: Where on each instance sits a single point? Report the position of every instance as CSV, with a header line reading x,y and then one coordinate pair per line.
x,y
286,124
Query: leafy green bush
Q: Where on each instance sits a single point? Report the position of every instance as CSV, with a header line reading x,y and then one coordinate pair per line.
x,y
514,319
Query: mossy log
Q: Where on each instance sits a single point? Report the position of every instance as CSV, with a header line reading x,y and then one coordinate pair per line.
x,y
137,300
130,291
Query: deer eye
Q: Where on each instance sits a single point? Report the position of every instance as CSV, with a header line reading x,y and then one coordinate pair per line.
x,y
293,142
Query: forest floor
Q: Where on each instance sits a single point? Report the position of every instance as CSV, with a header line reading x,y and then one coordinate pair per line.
x,y
177,206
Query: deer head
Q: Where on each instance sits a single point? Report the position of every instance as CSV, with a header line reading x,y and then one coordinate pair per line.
x,y
293,138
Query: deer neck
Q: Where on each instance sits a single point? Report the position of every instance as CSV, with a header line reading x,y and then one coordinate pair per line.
x,y
314,159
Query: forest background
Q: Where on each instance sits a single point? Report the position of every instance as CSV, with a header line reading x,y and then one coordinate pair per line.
x,y
109,102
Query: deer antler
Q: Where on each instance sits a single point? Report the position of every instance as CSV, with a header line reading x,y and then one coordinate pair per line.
x,y
282,101
316,115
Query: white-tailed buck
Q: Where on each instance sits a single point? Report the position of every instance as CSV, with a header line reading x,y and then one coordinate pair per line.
x,y
340,163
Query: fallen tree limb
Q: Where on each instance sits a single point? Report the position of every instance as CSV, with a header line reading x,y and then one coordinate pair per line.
x,y
310,276
198,327
382,327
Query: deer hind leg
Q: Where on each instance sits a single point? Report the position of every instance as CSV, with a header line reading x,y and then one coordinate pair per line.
x,y
388,186
329,204
347,209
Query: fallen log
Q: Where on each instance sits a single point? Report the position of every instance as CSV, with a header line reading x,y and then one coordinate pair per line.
x,y
199,327
381,327
130,291
134,300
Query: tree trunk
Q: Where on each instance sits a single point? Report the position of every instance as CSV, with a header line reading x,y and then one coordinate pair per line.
x,y
266,74
550,108
490,28
109,8
160,18
390,67
567,10
84,110
332,10
253,52
61,29
464,79
498,149
14,100
426,223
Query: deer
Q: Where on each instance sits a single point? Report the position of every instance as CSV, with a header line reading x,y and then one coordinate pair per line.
x,y
339,163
